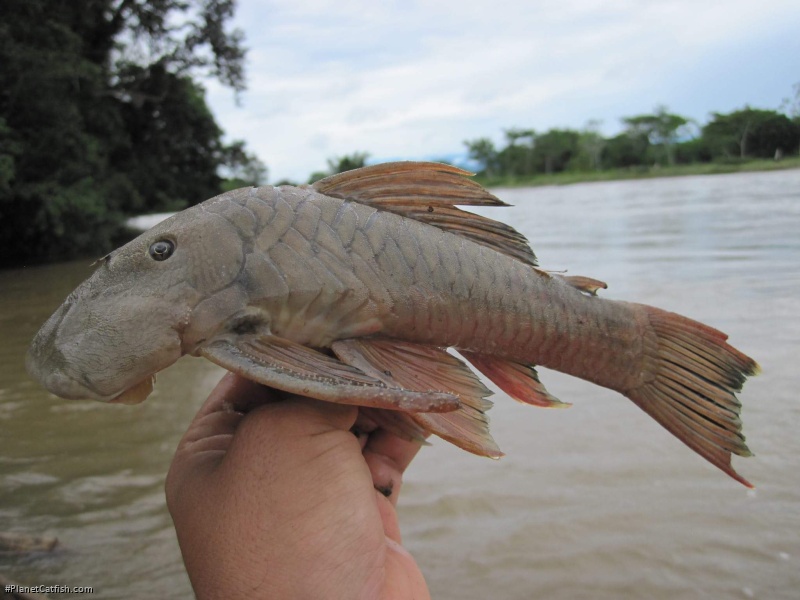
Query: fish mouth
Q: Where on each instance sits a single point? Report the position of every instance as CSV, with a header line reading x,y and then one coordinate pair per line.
x,y
64,384
137,393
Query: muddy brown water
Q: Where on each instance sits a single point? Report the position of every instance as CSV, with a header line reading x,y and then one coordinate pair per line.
x,y
592,502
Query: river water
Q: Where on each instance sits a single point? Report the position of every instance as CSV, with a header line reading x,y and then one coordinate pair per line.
x,y
592,502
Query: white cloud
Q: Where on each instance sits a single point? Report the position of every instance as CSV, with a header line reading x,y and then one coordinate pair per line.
x,y
415,79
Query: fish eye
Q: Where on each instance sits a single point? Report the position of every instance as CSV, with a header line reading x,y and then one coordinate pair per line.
x,y
162,249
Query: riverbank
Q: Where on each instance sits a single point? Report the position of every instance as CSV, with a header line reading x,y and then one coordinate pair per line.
x,y
570,177
145,222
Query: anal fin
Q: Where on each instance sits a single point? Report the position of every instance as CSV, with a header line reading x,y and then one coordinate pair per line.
x,y
519,381
422,367
294,368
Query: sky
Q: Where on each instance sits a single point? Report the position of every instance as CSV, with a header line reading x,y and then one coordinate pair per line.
x,y
414,79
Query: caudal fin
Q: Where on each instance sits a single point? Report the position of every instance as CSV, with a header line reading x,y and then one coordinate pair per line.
x,y
696,375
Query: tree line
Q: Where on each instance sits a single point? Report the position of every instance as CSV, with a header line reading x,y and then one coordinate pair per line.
x,y
102,117
658,139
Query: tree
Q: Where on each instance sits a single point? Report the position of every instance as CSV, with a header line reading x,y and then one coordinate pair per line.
x,y
516,159
348,162
172,149
340,164
59,193
791,106
591,145
100,116
625,150
243,167
555,149
695,150
483,151
662,129
751,132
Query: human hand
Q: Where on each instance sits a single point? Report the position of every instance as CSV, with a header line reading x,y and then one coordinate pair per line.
x,y
274,497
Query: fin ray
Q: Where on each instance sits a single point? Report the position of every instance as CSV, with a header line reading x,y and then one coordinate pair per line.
x,y
519,381
294,368
419,366
429,192
398,423
692,389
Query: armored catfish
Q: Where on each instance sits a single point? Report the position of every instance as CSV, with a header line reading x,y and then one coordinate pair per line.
x,y
352,289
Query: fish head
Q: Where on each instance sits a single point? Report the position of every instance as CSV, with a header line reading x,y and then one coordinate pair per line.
x,y
126,322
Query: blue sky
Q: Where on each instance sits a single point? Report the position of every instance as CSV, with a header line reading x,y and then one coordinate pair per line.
x,y
414,79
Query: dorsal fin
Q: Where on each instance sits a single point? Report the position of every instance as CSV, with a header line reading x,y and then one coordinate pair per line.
x,y
429,192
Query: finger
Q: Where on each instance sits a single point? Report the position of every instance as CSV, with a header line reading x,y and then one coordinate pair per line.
x,y
387,457
236,393
391,526
298,450
222,411
210,433
364,426
281,424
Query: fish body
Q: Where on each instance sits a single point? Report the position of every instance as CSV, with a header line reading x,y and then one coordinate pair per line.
x,y
352,289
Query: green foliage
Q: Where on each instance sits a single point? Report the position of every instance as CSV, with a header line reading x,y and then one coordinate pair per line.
x,y
626,150
553,150
590,148
752,133
517,157
661,140
791,106
172,149
483,151
100,117
243,167
340,164
348,162
696,150
662,129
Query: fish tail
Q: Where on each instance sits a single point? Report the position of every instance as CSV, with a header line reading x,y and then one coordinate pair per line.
x,y
690,383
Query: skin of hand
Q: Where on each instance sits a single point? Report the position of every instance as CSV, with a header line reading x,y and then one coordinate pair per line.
x,y
273,496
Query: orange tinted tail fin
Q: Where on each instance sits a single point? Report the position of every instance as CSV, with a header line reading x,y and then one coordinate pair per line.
x,y
693,391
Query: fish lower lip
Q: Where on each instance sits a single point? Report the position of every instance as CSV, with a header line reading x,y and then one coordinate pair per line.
x,y
136,393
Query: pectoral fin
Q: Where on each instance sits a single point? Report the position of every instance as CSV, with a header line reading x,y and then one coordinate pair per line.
x,y
519,381
421,367
294,368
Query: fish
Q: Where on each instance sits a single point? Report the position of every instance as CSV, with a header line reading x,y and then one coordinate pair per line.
x,y
359,289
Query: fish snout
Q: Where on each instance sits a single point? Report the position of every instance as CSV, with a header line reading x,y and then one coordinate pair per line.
x,y
49,372
65,386
47,364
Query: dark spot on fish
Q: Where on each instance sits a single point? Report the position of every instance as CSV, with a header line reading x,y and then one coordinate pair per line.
x,y
388,373
245,325
430,209
386,490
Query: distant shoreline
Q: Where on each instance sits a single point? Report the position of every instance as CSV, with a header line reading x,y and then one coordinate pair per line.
x,y
570,177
